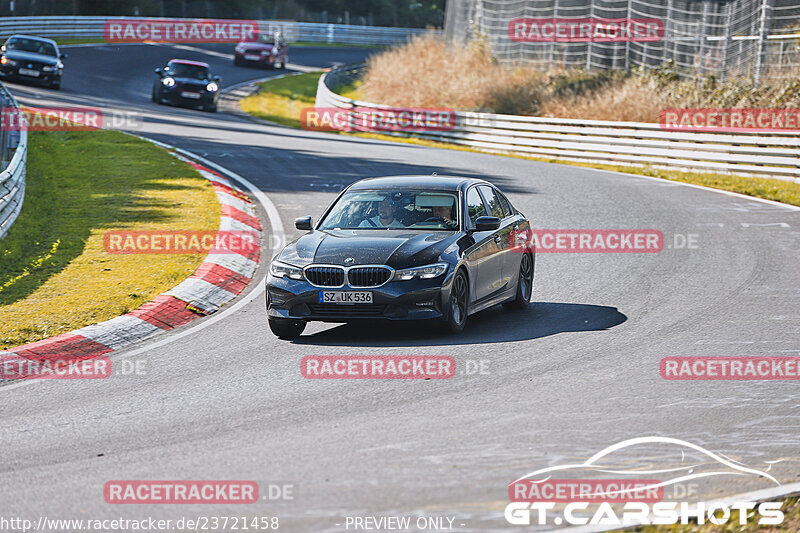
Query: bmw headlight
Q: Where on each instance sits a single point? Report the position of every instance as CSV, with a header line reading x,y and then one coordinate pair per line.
x,y
211,87
48,68
280,270
168,82
423,272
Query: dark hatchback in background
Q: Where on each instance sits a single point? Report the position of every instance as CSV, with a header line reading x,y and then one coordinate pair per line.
x,y
185,82
269,51
403,248
32,59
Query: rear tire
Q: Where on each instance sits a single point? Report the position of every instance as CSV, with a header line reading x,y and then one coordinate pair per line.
x,y
459,303
524,284
286,328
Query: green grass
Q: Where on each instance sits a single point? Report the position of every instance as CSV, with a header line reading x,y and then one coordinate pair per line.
x,y
282,100
54,273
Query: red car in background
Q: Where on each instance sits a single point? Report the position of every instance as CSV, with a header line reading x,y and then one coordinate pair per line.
x,y
270,50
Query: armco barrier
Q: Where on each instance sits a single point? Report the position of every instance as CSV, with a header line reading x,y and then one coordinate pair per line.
x,y
92,28
775,155
14,150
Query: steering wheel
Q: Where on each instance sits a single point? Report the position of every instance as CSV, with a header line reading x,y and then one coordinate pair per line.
x,y
436,219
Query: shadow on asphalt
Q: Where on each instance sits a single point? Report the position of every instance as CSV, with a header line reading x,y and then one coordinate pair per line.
x,y
540,319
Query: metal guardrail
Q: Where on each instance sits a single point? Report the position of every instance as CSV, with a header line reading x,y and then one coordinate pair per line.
x,y
775,155
75,27
13,155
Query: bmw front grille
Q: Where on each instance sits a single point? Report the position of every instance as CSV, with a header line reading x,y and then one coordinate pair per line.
x,y
361,277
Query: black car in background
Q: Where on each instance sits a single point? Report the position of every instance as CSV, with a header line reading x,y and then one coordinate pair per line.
x,y
403,248
32,59
185,82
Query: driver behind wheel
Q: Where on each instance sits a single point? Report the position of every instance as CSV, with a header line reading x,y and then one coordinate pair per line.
x,y
385,217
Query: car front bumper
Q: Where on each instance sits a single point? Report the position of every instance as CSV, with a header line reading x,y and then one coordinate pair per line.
x,y
266,59
12,72
174,96
416,299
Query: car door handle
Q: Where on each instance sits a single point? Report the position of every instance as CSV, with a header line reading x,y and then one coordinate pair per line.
x,y
497,239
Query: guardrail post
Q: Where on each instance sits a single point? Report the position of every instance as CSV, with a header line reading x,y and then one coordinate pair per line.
x,y
726,41
589,42
761,59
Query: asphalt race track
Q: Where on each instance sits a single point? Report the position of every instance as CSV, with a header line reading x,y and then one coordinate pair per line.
x,y
574,373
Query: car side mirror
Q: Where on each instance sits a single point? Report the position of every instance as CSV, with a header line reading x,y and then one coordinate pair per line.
x,y
487,224
62,56
158,71
218,79
303,223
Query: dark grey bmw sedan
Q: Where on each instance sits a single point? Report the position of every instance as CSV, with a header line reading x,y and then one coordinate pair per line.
x,y
403,248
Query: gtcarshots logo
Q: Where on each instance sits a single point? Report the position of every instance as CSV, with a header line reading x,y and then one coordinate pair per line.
x,y
377,119
179,31
537,30
534,496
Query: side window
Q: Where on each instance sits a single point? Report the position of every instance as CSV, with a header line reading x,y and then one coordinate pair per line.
x,y
491,199
504,203
475,206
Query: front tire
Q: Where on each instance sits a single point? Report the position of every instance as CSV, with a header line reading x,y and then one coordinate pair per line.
x,y
211,108
459,303
286,328
524,284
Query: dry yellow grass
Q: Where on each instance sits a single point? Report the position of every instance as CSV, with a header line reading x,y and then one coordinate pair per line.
x,y
428,73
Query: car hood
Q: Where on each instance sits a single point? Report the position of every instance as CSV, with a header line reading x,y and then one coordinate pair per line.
x,y
396,248
19,55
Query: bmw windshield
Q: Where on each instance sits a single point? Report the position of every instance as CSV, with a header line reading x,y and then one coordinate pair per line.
x,y
400,209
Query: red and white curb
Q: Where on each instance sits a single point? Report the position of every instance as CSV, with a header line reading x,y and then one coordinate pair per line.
x,y
218,280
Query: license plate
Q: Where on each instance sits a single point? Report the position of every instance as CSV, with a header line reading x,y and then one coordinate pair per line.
x,y
195,96
29,72
345,297
252,57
